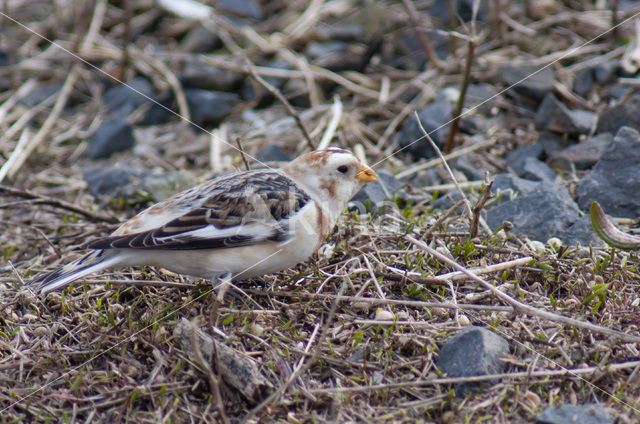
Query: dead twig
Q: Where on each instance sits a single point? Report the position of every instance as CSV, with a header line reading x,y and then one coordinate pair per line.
x,y
302,366
479,205
424,43
28,194
521,307
450,144
244,157
275,92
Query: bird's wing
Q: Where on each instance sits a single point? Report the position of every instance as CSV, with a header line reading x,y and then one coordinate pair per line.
x,y
240,210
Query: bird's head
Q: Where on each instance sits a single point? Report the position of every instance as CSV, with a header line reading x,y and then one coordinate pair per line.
x,y
333,175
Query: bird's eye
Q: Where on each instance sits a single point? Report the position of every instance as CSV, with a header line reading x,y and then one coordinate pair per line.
x,y
343,169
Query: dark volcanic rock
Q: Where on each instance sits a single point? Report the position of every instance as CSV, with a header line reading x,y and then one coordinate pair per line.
x,y
583,82
206,107
240,8
463,10
198,74
515,159
39,94
115,134
122,96
470,352
601,73
582,155
544,210
200,40
374,193
107,180
273,153
590,413
614,180
552,115
515,186
136,184
624,114
530,80
535,170
210,107
434,118
552,143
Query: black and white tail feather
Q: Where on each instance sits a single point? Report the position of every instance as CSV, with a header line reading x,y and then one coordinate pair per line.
x,y
95,261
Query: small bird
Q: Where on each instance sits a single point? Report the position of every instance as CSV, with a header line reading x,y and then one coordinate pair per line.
x,y
247,224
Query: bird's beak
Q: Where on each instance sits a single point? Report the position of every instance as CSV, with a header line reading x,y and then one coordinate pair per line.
x,y
367,174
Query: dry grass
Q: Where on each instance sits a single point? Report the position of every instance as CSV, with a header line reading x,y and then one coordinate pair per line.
x,y
105,352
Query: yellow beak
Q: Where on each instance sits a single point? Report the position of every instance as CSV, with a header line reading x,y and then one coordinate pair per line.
x,y
367,174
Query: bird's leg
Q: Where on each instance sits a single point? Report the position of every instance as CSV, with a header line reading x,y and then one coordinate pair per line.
x,y
221,282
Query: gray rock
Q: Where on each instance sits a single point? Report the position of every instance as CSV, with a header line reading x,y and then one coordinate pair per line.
x,y
614,180
535,170
583,82
374,195
198,74
582,232
463,10
552,115
618,92
342,32
543,212
156,188
472,351
515,159
605,72
602,73
115,134
157,113
624,114
252,91
582,155
136,184
552,143
210,107
240,8
480,93
434,118
122,96
200,40
589,413
469,168
273,153
317,51
531,82
206,107
447,201
108,180
39,94
516,186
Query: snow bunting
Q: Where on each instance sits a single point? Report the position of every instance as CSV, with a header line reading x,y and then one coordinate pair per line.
x,y
248,224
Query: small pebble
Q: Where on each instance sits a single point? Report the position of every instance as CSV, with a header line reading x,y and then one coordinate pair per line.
x,y
41,331
257,329
536,247
384,315
463,321
361,306
554,242
402,315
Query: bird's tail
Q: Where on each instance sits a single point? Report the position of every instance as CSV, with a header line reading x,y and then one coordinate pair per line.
x,y
95,261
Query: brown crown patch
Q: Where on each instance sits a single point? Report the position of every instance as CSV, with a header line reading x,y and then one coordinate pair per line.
x,y
320,157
